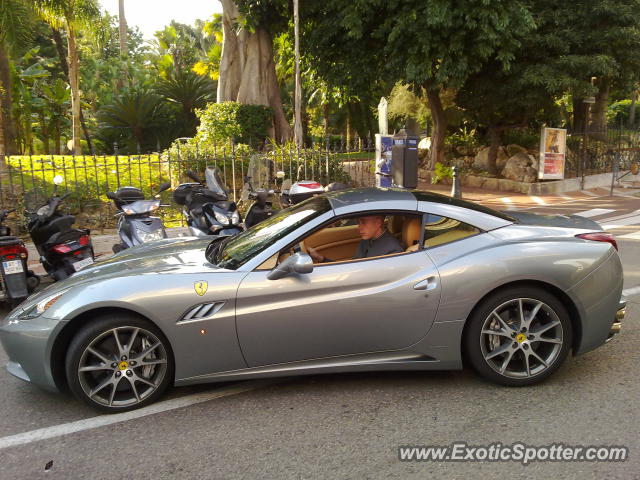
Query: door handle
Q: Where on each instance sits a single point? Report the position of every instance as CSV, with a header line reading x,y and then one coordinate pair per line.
x,y
426,284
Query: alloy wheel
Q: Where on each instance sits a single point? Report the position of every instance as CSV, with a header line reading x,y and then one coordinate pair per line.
x,y
122,366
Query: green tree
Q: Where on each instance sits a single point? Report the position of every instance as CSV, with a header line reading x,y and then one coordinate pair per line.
x,y
432,45
73,15
16,25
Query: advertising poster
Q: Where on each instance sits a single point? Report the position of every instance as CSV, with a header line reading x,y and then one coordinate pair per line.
x,y
553,147
384,144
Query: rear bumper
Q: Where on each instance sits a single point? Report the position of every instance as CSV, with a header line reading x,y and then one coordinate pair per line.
x,y
617,323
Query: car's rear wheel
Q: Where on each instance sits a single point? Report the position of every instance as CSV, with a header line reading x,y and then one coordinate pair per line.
x,y
518,336
118,363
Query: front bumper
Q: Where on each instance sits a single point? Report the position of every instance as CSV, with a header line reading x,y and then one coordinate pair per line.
x,y
28,344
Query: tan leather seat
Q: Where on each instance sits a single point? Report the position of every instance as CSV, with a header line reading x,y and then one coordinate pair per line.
x,y
411,233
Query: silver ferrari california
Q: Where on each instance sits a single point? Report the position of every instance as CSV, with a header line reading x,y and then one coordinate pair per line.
x,y
512,295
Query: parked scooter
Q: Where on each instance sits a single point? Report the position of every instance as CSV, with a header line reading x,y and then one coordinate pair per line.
x,y
295,192
17,281
260,171
207,207
63,250
135,223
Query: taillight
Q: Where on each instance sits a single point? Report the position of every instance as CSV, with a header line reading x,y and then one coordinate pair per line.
x,y
310,185
599,237
16,250
84,240
61,248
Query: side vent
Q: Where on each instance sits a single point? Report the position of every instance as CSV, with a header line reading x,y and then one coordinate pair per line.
x,y
201,312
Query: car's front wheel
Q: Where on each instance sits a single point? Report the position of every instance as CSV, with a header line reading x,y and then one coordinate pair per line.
x,y
518,336
118,363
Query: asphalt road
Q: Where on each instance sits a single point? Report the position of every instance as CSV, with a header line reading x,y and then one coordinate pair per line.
x,y
346,426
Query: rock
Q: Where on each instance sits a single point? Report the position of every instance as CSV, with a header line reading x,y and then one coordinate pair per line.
x,y
520,168
481,162
514,149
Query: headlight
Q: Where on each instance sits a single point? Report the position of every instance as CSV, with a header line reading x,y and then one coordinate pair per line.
x,y
221,217
150,236
128,211
39,308
235,218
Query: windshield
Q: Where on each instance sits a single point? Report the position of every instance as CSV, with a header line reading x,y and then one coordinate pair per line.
x,y
260,171
214,181
235,251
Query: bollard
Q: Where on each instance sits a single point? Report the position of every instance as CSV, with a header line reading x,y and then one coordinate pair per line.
x,y
455,187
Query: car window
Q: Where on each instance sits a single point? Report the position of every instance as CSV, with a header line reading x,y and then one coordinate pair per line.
x,y
439,230
233,252
341,240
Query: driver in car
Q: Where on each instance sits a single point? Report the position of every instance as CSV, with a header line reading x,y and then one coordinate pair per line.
x,y
376,240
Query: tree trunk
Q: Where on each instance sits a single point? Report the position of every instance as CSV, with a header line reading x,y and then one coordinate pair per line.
x,y
57,38
325,116
45,133
599,109
439,128
495,139
248,71
56,148
579,115
122,29
74,83
297,123
632,110
6,104
232,58
259,85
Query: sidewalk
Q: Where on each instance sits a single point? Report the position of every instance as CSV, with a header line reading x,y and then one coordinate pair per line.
x,y
498,200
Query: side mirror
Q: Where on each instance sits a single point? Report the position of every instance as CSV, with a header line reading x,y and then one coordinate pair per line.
x,y
164,186
297,263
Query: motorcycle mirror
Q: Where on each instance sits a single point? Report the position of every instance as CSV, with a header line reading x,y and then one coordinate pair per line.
x,y
164,186
280,174
193,176
58,179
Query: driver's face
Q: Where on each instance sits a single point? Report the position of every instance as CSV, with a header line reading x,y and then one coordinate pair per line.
x,y
370,227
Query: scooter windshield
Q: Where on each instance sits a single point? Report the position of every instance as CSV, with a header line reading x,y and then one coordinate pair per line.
x,y
214,181
141,206
261,171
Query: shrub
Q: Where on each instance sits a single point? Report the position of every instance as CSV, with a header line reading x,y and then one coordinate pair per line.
x,y
233,121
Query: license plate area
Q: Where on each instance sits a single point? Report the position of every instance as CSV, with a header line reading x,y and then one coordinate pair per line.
x,y
82,263
12,266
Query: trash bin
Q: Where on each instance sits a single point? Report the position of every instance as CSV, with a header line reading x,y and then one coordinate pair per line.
x,y
404,164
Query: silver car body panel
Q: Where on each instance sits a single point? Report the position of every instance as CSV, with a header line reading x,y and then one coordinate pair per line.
x,y
362,315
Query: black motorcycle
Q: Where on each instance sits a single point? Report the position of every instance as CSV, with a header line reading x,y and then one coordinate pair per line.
x,y
207,207
135,223
63,250
17,280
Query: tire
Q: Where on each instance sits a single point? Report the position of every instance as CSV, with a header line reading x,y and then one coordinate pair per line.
x,y
107,367
513,356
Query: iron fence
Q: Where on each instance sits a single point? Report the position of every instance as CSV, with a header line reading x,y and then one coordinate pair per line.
x,y
26,181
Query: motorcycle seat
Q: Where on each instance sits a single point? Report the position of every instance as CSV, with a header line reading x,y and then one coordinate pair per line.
x,y
8,241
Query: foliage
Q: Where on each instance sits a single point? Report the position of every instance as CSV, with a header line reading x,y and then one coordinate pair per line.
x,y
463,138
234,121
441,172
618,113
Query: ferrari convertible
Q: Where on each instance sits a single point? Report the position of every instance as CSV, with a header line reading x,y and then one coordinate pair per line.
x,y
510,295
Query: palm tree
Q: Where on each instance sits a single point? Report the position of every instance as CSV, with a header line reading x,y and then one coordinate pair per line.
x,y
15,33
190,91
134,115
71,15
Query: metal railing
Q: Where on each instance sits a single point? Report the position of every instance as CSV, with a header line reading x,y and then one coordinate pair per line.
x,y
26,181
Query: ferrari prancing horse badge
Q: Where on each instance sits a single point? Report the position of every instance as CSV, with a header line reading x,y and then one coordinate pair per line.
x,y
200,287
